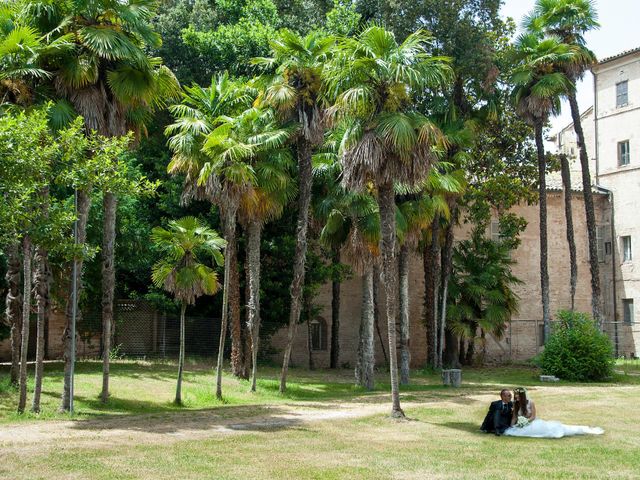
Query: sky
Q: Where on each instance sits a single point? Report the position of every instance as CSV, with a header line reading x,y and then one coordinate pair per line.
x,y
619,31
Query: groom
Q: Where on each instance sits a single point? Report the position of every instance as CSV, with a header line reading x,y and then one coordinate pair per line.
x,y
499,417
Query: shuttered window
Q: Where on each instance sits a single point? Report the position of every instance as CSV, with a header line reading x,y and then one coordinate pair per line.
x,y
622,93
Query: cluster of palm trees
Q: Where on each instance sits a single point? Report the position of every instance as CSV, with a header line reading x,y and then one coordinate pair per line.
x,y
550,57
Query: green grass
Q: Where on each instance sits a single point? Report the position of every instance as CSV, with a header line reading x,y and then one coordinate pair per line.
x,y
628,365
440,439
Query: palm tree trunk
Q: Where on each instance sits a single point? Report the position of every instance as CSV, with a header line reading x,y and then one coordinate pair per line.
x,y
544,271
451,355
237,357
596,301
304,199
110,206
253,305
42,299
447,263
178,399
26,311
84,203
471,351
405,353
566,183
366,360
335,314
13,310
230,236
386,199
376,311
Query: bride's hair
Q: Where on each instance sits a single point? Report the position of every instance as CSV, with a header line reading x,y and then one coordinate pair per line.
x,y
520,396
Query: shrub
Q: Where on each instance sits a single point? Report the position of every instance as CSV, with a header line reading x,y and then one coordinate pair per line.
x,y
577,350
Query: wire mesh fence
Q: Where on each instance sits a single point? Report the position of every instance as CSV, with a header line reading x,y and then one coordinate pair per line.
x,y
141,331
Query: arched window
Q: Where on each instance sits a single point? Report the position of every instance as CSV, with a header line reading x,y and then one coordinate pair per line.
x,y
318,334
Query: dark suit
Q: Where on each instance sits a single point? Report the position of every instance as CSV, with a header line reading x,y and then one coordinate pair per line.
x,y
498,418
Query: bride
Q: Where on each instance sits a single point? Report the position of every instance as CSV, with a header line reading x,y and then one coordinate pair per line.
x,y
524,407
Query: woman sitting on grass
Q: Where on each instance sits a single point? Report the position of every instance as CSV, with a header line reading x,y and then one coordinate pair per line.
x,y
524,422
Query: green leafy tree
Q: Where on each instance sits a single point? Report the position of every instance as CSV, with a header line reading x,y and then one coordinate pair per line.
x,y
183,272
375,80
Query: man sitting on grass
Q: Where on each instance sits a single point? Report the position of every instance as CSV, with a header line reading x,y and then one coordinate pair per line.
x,y
498,418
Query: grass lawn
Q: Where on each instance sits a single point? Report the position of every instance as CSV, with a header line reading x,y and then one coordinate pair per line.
x,y
323,428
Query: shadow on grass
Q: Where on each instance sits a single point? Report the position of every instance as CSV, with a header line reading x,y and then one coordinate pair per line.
x,y
468,427
222,419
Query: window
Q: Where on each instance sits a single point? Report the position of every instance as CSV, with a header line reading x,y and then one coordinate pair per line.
x,y
624,154
627,306
622,93
318,334
607,248
626,249
540,335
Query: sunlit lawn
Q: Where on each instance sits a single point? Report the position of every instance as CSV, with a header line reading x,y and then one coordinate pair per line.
x,y
440,439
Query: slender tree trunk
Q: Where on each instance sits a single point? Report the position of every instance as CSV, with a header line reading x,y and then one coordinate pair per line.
x,y
462,352
447,263
304,199
405,352
366,360
230,236
386,199
42,300
376,311
178,399
41,289
253,305
26,311
471,351
237,357
452,350
110,206
335,314
544,271
594,267
307,308
84,203
568,214
13,310
435,261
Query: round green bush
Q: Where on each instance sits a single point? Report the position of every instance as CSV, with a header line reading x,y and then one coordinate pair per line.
x,y
577,350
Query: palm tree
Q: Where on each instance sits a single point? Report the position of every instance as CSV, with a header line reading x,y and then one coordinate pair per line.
x,y
295,93
272,189
536,94
374,80
569,20
182,271
229,176
481,295
109,79
199,113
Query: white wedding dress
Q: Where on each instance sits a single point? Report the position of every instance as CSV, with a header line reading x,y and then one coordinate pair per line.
x,y
550,429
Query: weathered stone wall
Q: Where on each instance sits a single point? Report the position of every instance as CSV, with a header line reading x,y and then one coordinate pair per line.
x,y
523,337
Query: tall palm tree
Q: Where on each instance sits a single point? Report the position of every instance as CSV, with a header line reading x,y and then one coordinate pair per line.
x,y
272,189
295,92
182,271
108,78
536,94
569,20
199,113
375,80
